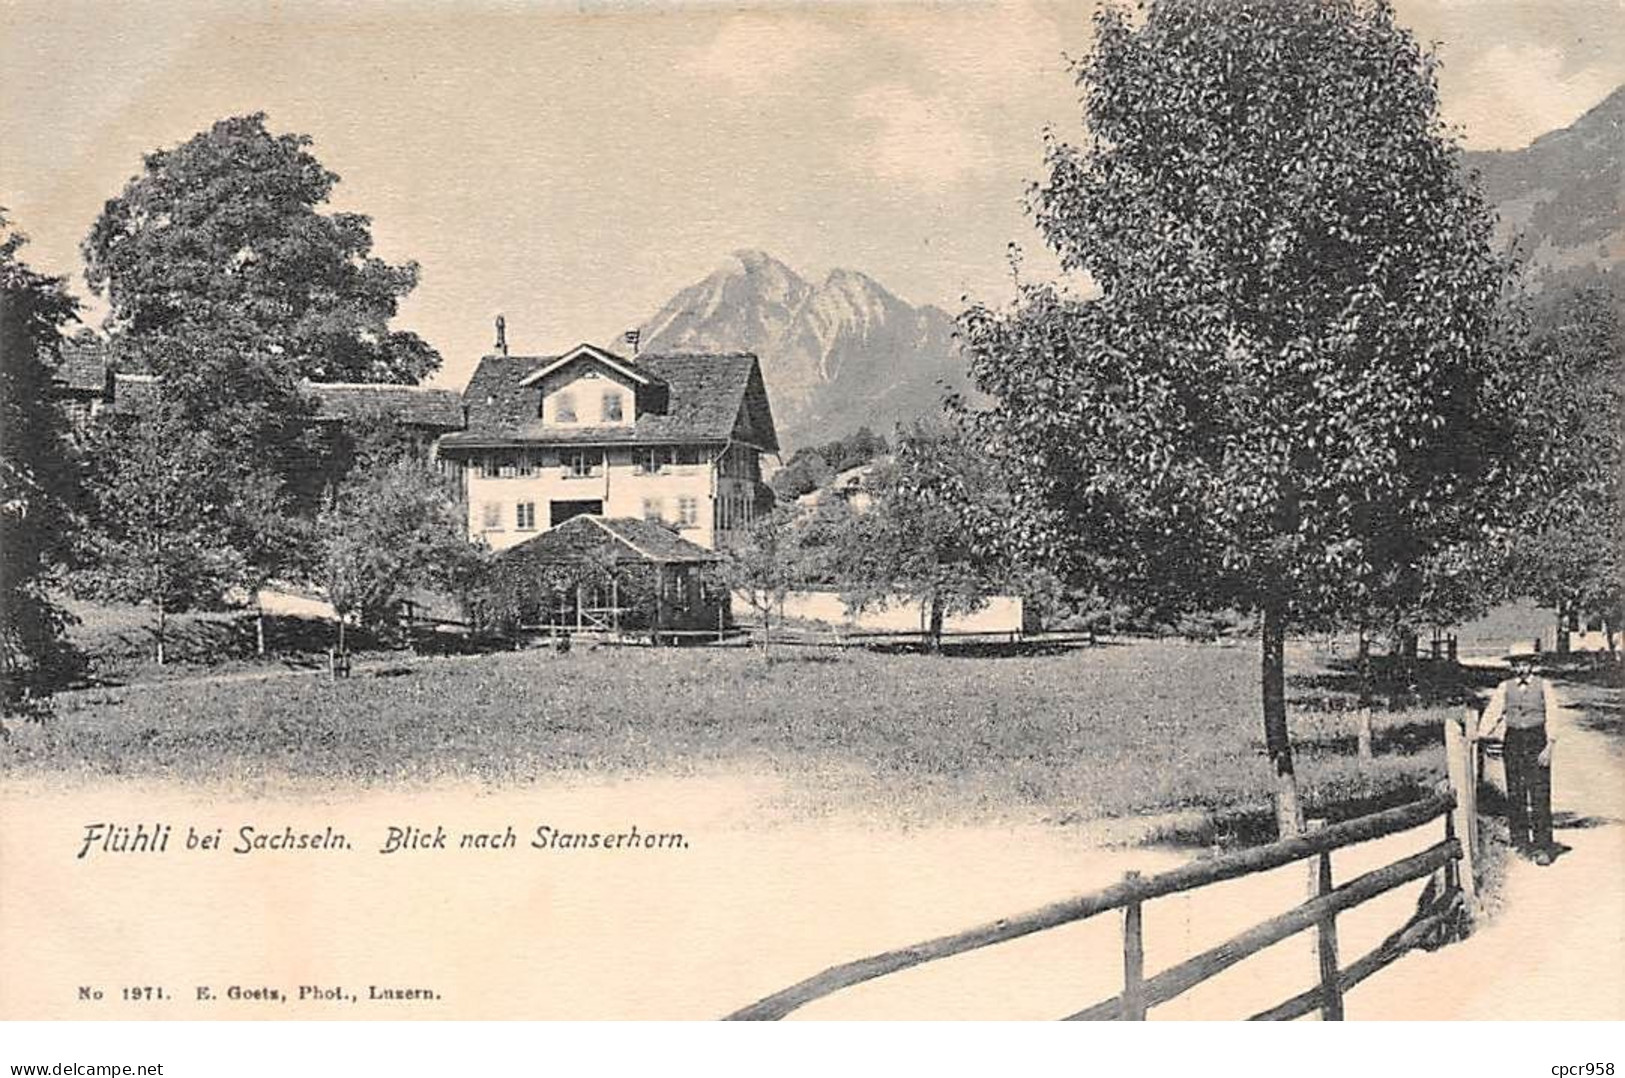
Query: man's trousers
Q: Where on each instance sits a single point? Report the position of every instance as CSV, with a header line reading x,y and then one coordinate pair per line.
x,y
1529,788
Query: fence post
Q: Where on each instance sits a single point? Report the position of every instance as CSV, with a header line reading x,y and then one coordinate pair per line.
x,y
1474,845
1362,733
1458,766
1331,993
1133,958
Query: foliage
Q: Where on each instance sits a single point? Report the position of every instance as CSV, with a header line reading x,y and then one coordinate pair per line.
x,y
227,280
227,229
393,526
935,530
766,565
161,515
1293,387
1570,553
38,480
812,467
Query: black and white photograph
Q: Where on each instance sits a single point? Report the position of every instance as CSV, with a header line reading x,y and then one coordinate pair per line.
x,y
982,512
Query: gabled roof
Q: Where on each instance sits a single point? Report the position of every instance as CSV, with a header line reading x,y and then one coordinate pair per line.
x,y
588,351
709,398
620,539
419,406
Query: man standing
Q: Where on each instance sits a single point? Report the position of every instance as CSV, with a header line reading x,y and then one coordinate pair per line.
x,y
1521,704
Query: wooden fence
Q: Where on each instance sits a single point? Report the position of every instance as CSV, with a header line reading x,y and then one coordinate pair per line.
x,y
1443,915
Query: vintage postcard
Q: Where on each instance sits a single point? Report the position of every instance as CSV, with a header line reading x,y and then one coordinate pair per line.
x,y
831,511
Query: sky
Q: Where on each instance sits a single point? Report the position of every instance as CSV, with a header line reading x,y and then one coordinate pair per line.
x,y
572,166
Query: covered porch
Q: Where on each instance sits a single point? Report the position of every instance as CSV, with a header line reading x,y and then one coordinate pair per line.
x,y
611,577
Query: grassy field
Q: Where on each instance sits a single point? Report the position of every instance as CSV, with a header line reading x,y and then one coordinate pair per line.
x,y
118,641
1074,735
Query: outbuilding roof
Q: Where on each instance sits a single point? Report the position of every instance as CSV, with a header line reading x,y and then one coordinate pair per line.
x,y
418,406
84,369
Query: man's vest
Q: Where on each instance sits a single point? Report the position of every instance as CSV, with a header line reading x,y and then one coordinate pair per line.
x,y
1526,705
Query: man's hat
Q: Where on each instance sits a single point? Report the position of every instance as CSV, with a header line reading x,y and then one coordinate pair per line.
x,y
1522,652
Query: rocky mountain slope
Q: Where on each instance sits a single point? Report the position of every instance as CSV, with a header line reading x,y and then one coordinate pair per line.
x,y
1561,195
836,355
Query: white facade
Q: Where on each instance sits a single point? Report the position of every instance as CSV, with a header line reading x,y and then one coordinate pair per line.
x,y
513,494
578,449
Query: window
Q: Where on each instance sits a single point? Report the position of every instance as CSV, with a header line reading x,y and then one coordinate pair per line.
x,y
522,465
652,459
491,516
525,516
692,454
488,467
612,406
688,511
580,463
564,407
654,509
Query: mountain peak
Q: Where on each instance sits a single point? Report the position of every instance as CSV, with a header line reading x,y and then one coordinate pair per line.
x,y
753,260
853,279
837,355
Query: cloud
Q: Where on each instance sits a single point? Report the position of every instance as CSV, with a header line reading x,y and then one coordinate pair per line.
x,y
755,51
1510,94
916,140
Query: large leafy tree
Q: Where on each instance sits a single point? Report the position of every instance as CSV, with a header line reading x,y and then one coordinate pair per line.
x,y
228,229
38,480
1289,386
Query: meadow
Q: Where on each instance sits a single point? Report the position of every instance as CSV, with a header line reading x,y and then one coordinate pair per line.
x,y
1074,734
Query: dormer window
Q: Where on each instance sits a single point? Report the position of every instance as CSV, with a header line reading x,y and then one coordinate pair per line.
x,y
564,407
612,406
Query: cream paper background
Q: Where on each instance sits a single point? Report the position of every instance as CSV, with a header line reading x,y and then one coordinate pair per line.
x,y
573,168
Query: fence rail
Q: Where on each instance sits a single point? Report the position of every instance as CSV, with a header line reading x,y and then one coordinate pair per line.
x,y
1193,971
1134,891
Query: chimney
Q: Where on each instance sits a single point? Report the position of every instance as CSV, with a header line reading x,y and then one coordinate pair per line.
x,y
502,335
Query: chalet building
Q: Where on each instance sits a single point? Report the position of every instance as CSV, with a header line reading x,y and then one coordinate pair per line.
x,y
538,440
671,439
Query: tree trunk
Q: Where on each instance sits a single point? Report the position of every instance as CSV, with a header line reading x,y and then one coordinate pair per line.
x,y
341,634
1363,666
767,633
935,631
1288,808
259,631
162,615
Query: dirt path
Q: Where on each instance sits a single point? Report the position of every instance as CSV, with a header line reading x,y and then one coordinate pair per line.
x,y
1554,947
